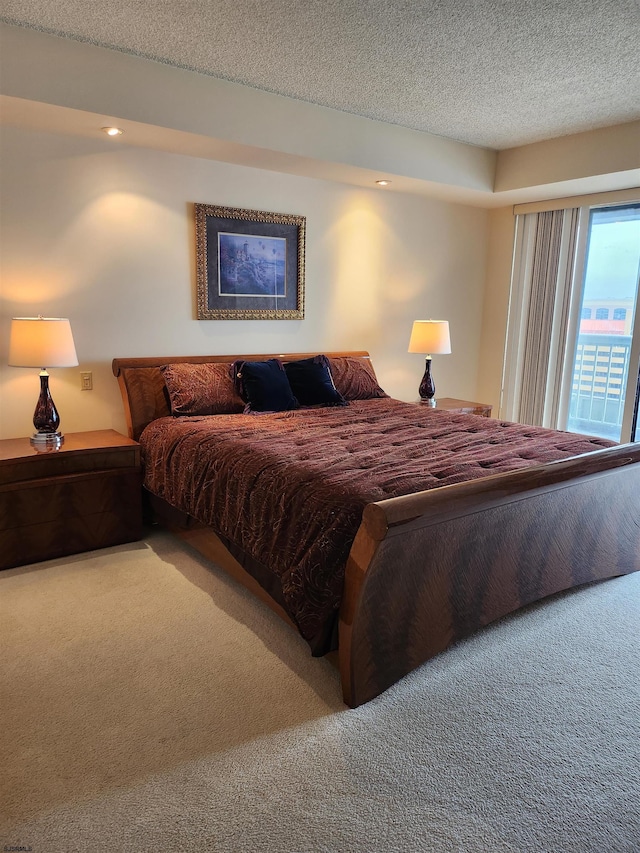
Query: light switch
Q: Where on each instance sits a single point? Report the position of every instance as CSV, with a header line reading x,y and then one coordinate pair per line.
x,y
86,380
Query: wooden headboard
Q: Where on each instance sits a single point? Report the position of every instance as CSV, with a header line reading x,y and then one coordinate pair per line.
x,y
144,393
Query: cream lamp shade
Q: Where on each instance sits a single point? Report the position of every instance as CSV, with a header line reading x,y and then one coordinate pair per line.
x,y
43,342
430,336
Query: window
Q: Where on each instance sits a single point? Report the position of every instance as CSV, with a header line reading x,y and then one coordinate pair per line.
x,y
563,369
611,265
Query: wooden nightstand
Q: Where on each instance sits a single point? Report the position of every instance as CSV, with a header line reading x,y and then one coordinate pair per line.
x,y
83,496
450,404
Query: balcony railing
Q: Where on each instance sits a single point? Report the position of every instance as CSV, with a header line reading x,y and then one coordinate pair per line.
x,y
599,382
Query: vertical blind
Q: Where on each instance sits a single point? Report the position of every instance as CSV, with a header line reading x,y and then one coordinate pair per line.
x,y
543,278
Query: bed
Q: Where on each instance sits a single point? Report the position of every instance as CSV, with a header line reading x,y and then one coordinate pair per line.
x,y
385,529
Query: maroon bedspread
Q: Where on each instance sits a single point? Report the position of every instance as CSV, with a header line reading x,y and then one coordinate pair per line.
x,y
290,488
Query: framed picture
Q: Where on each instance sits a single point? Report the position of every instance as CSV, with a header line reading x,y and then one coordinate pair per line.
x,y
249,264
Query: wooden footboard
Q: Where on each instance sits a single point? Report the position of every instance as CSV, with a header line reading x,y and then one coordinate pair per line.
x,y
473,552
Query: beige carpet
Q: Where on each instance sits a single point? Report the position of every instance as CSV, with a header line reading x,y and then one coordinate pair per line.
x,y
150,704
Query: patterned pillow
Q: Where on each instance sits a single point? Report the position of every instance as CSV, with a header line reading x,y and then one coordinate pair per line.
x,y
201,389
355,378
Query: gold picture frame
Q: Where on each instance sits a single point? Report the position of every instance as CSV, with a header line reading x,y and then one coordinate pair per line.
x,y
249,264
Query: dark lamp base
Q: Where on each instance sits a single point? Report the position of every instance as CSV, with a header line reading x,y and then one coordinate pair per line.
x,y
429,401
427,389
46,420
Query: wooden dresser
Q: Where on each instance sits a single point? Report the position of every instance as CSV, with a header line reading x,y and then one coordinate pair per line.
x,y
83,496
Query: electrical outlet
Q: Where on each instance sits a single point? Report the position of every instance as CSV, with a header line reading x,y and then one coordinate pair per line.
x,y
86,380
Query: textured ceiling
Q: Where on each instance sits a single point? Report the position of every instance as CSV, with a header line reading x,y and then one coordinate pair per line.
x,y
495,73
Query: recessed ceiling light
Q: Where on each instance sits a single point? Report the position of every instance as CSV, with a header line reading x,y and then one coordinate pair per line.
x,y
383,183
112,131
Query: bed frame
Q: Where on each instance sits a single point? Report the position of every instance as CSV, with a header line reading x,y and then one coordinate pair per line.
x,y
428,569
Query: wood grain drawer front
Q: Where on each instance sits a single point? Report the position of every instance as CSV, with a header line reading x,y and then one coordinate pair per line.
x,y
65,515
46,465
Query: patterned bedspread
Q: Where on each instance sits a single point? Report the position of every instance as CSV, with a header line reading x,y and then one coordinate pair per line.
x,y
289,488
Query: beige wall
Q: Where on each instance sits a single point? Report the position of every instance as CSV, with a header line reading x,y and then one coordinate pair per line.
x,y
103,234
607,151
501,234
235,123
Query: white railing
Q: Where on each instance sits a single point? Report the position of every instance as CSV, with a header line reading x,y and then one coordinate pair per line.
x,y
599,381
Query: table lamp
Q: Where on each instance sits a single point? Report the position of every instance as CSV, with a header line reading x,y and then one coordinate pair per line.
x,y
429,336
35,342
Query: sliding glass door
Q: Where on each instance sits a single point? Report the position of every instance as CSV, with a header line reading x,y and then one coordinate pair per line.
x,y
635,415
604,379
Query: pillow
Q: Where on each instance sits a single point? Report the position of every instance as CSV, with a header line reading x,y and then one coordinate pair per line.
x,y
312,383
264,386
201,389
355,378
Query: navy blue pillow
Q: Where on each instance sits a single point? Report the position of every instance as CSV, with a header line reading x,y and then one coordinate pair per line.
x,y
311,382
264,386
